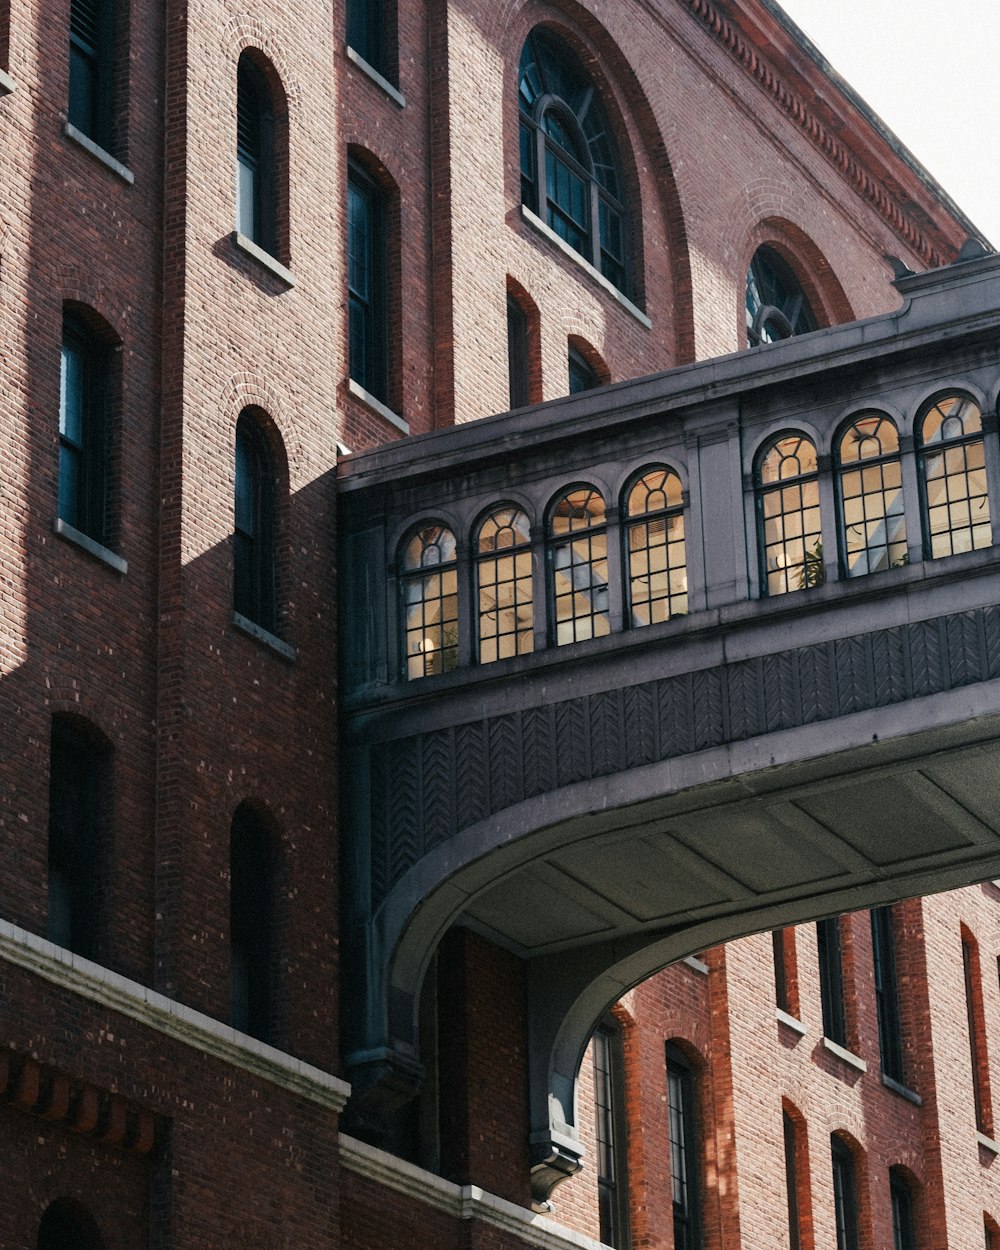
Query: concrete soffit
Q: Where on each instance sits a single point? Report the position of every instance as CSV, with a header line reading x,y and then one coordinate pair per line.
x,y
464,1202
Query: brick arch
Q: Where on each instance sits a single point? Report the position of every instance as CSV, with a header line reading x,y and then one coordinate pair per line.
x,y
592,356
246,32
248,390
635,128
76,286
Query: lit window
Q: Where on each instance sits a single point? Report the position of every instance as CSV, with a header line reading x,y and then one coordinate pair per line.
x,y
612,1184
904,1235
788,517
83,434
503,581
430,599
578,556
367,321
254,535
685,1164
844,1196
569,166
873,527
831,979
776,305
256,168
953,474
890,1035
252,926
91,68
654,535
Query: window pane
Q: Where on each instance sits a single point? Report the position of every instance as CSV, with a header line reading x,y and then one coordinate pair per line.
x,y
505,610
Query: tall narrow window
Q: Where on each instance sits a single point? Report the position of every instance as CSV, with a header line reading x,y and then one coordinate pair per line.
x,y
430,601
578,556
83,432
654,535
518,359
776,305
831,979
977,1034
791,1182
79,776
953,476
91,68
890,1036
366,292
254,537
256,169
873,527
581,375
844,1196
252,926
685,1163
366,31
904,1235
67,1225
570,171
503,585
790,535
612,1186
786,995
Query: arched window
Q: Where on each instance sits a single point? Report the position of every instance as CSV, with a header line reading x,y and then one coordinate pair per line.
x,y
654,537
794,1142
904,1234
503,585
581,373
845,1195
518,355
776,305
84,386
953,475
79,794
430,601
92,69
609,1132
569,167
578,560
254,589
253,946
368,321
788,519
685,1150
68,1225
873,527
256,159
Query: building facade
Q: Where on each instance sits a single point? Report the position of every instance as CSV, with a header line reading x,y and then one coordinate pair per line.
x,y
241,243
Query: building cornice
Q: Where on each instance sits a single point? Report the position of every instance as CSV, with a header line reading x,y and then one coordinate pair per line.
x,y
106,988
464,1202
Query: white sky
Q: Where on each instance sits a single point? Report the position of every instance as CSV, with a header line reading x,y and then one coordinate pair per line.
x,y
931,70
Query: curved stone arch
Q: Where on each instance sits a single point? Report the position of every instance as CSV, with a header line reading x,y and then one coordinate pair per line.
x,y
942,389
632,118
245,32
768,435
903,421
676,464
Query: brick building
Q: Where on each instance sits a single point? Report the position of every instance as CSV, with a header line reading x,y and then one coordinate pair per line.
x,y
237,243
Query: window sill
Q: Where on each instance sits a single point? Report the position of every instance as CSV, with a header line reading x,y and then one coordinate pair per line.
x,y
265,636
987,1143
376,405
95,150
7,84
378,79
697,964
246,244
536,223
96,549
790,1021
848,1056
898,1088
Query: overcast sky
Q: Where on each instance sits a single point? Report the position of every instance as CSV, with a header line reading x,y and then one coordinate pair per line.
x,y
932,73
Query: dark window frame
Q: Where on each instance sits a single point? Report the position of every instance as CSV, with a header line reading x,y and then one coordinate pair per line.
x,y
776,304
84,443
890,1029
685,1150
92,35
830,953
518,355
845,1195
610,1132
370,30
810,570
928,450
433,584
791,1138
582,376
368,303
255,586
904,1234
68,1225
257,174
254,946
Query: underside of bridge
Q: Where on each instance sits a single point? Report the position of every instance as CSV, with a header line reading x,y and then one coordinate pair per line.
x,y
605,807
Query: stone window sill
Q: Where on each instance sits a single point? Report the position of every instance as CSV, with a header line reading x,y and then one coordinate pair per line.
x,y
900,1089
376,405
378,79
536,223
246,626
789,1021
96,549
848,1056
987,1143
246,244
95,150
7,84
697,964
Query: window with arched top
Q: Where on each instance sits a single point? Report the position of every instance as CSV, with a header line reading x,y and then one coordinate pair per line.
x,y
870,482
952,461
93,30
254,582
505,611
570,174
578,566
904,1232
776,305
429,573
845,1195
655,546
68,1225
256,158
790,535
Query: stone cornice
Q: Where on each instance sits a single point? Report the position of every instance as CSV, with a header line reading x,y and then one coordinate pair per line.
x,y
855,169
